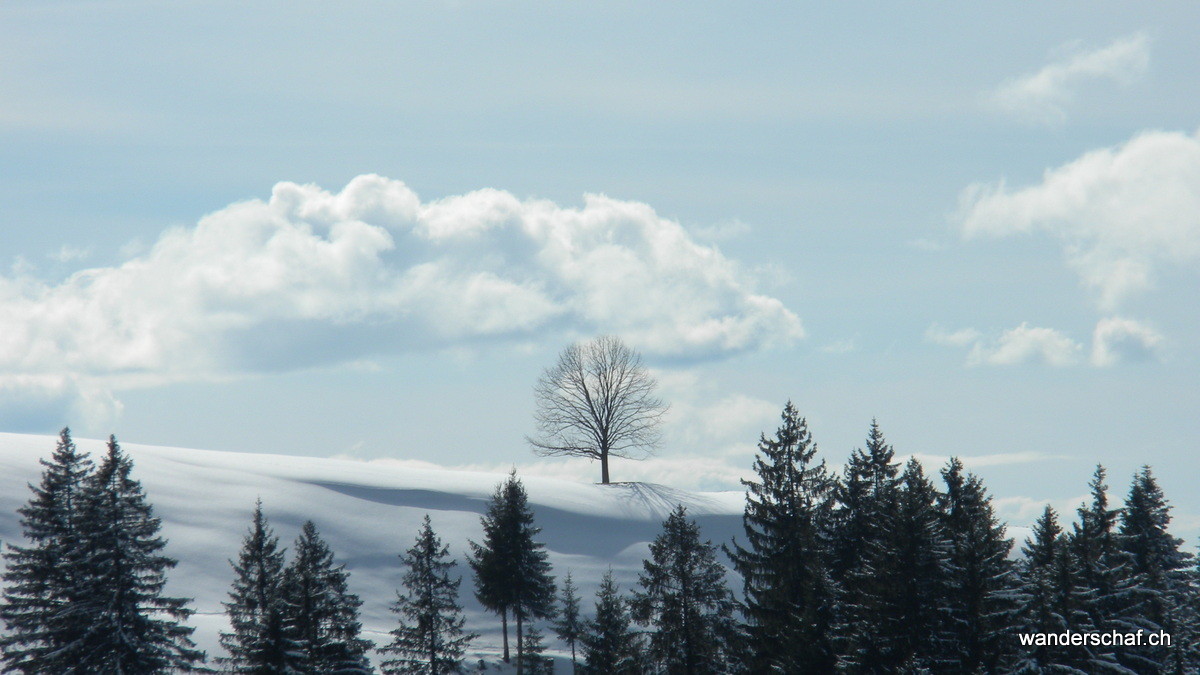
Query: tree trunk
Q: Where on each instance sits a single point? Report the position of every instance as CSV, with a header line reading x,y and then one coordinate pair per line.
x,y
604,467
504,627
520,645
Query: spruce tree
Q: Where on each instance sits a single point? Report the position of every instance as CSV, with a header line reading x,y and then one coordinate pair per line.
x,y
1159,574
512,572
430,638
900,624
535,661
981,580
131,626
685,603
1048,599
261,642
610,646
1103,570
569,625
321,613
863,519
789,595
45,578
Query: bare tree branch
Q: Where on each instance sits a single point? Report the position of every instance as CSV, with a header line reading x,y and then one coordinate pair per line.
x,y
597,401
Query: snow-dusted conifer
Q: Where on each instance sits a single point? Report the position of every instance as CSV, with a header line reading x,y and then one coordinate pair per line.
x,y
430,639
321,612
610,645
512,570
1104,575
866,506
131,627
44,577
1048,599
685,603
1160,576
900,625
981,580
261,642
789,594
569,624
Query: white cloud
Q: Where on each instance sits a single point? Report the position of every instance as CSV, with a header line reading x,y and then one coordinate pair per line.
x,y
1044,96
1116,339
1023,344
311,277
1027,344
1119,212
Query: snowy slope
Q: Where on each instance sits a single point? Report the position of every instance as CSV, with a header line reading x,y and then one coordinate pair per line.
x,y
369,512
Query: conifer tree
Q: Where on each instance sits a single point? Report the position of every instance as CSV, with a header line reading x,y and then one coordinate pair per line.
x,y
1103,570
131,626
899,625
569,625
610,646
865,508
512,572
1049,600
430,638
1159,574
789,595
261,642
981,580
685,602
44,578
535,661
320,611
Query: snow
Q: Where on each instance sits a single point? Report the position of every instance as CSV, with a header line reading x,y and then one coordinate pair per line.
x,y
369,512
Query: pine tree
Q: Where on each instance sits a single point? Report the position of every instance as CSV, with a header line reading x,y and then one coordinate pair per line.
x,y
320,611
44,578
685,602
1160,576
430,639
569,625
789,595
512,572
261,642
131,626
981,577
610,646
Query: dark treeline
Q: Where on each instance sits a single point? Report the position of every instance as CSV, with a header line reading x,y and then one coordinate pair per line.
x,y
878,568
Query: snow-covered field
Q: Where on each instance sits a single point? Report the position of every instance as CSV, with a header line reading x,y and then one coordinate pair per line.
x,y
369,512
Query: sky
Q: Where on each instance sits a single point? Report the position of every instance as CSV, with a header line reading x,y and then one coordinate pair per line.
x,y
363,229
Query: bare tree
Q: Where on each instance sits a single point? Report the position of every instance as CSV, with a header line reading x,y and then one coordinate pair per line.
x,y
597,401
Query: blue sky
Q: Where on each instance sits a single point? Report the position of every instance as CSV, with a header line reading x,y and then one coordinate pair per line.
x,y
363,229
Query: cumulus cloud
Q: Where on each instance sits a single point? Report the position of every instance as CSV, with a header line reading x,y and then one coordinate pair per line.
x,y
309,277
1120,212
1045,95
1027,344
1116,339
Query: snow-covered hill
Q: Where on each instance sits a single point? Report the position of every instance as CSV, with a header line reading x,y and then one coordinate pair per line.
x,y
369,512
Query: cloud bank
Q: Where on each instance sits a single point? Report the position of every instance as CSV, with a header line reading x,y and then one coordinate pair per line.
x,y
1120,213
310,277
1045,95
